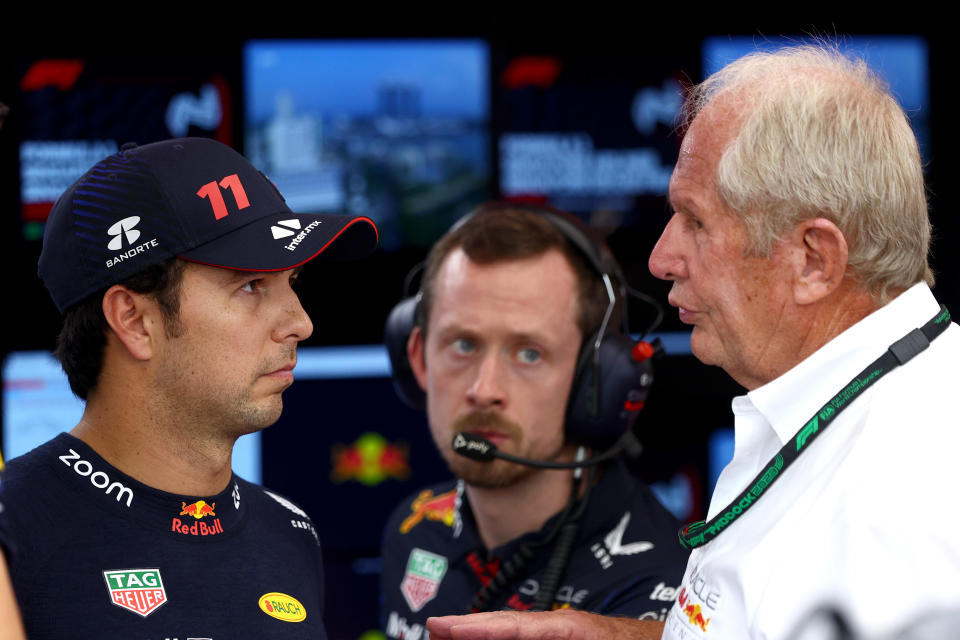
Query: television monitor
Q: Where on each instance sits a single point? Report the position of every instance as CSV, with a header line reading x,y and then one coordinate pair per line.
x,y
73,112
396,130
591,135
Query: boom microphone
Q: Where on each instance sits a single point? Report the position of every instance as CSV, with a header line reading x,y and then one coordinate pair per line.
x,y
479,448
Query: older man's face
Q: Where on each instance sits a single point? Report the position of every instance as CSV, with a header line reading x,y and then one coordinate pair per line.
x,y
735,303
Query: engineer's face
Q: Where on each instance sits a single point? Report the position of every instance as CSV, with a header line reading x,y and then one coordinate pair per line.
x,y
498,359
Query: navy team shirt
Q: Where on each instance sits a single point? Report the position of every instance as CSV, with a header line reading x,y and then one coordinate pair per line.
x,y
626,559
95,554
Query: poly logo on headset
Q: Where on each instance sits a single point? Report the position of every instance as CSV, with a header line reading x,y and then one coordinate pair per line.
x,y
123,229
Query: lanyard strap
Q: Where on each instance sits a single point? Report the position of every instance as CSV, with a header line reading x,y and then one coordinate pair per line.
x,y
700,533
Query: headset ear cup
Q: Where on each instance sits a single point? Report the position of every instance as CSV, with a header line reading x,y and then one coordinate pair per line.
x,y
396,333
606,397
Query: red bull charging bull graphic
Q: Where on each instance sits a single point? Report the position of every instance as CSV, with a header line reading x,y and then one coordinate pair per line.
x,y
370,460
693,611
198,509
441,508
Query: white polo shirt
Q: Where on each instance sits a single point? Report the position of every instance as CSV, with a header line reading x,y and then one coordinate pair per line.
x,y
865,521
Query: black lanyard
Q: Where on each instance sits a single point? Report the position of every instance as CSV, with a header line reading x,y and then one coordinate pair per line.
x,y
700,533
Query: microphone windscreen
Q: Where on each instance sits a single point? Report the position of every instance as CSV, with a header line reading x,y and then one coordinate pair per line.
x,y
474,447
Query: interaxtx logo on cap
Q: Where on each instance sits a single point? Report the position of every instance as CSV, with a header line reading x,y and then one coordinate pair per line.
x,y
282,232
288,227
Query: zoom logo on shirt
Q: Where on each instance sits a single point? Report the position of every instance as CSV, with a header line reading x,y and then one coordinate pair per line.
x,y
99,479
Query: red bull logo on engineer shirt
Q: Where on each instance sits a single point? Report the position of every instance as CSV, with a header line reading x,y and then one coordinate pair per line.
x,y
442,508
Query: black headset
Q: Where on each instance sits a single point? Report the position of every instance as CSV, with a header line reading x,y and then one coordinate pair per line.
x,y
613,373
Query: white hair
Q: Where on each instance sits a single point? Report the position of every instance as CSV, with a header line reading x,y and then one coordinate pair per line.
x,y
821,136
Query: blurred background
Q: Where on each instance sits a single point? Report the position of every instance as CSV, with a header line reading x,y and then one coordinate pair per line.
x,y
410,118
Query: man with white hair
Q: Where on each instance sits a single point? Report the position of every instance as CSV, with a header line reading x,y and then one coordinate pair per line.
x,y
798,254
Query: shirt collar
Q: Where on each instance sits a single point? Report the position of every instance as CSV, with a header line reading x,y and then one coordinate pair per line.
x,y
183,516
790,400
607,503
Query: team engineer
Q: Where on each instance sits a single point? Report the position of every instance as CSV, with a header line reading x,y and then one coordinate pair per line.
x,y
798,254
174,264
507,300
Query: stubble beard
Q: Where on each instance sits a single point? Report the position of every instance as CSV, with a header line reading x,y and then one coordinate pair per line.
x,y
217,412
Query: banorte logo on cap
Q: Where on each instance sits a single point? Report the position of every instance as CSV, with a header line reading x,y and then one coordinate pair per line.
x,y
123,229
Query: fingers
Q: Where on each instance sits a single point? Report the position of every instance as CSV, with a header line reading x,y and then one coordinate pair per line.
x,y
565,624
499,625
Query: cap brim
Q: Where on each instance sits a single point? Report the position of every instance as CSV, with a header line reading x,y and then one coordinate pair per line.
x,y
288,240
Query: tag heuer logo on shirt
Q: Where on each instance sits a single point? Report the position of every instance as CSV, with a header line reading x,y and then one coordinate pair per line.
x,y
138,590
421,583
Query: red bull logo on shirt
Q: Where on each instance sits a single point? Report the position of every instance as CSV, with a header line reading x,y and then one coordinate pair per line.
x,y
441,508
695,616
693,611
197,510
369,460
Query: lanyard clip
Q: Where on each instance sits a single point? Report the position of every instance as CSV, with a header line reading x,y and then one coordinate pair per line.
x,y
909,345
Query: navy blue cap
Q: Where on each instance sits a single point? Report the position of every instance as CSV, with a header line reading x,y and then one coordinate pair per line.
x,y
193,198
